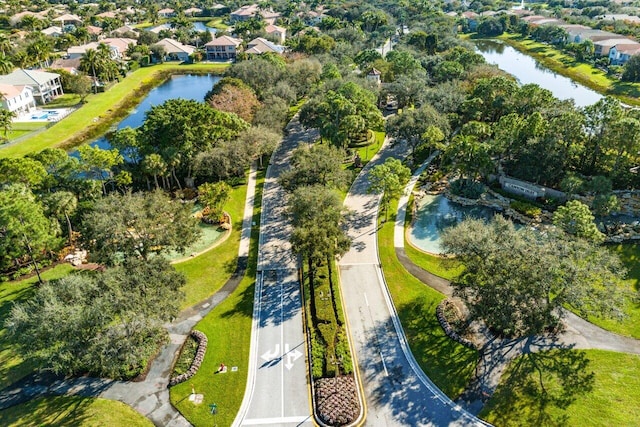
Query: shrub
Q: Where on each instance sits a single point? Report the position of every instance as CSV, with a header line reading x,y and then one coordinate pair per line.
x,y
525,208
468,189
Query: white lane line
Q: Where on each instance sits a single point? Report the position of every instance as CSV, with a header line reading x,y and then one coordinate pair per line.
x,y
384,365
281,345
366,300
282,420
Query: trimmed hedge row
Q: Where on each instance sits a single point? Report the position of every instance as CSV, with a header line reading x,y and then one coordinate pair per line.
x,y
197,360
448,329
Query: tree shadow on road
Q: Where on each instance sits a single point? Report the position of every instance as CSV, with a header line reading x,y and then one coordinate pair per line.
x,y
538,388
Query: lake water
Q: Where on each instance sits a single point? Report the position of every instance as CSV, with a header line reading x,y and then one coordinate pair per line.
x,y
436,213
528,70
197,26
187,86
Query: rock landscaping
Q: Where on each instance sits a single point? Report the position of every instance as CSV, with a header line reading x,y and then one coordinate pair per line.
x,y
197,360
441,310
337,402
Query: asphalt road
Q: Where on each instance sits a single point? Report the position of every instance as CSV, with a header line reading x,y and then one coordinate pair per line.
x,y
397,392
278,385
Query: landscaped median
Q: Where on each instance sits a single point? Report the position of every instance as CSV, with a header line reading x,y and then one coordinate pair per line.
x,y
104,109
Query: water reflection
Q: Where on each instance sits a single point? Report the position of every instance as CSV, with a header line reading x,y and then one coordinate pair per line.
x,y
528,70
435,214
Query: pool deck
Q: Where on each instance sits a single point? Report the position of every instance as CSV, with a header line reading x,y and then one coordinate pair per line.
x,y
44,115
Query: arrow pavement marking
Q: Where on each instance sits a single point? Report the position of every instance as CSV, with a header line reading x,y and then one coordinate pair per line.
x,y
292,356
271,355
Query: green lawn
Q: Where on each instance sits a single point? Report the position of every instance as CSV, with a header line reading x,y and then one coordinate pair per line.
x,y
209,271
103,109
629,325
70,411
449,364
566,65
228,329
65,101
608,398
12,366
19,129
217,23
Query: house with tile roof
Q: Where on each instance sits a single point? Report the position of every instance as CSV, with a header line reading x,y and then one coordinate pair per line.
x,y
53,31
68,19
45,85
193,11
621,53
260,45
222,48
279,32
118,47
17,99
166,13
176,51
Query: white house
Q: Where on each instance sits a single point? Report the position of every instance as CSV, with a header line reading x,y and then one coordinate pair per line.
x,y
260,45
45,86
53,31
18,99
176,50
166,13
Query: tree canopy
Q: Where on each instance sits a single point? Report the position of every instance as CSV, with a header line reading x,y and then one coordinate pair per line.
x,y
518,281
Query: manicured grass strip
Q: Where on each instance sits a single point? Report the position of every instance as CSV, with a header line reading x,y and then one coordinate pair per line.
x,y
228,329
581,72
608,398
12,366
20,129
629,325
103,109
449,364
209,271
63,411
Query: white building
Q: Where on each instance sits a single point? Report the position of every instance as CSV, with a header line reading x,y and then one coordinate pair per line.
x,y
45,86
175,50
18,99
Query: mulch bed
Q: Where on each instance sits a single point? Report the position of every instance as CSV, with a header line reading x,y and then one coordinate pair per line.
x,y
337,402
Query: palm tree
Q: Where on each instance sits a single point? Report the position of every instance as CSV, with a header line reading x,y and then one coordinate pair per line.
x,y
5,43
63,203
6,120
6,66
91,62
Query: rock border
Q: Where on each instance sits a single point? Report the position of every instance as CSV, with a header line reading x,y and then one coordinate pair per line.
x,y
448,329
197,360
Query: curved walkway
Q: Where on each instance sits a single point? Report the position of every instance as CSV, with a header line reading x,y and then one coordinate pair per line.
x,y
398,393
151,396
496,353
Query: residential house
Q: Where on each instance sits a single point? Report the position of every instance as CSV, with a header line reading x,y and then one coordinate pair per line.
x,y
176,51
166,13
17,18
125,29
621,53
260,45
279,32
222,48
52,31
471,18
94,31
630,19
602,47
68,19
45,86
110,14
193,11
17,99
70,65
118,47
244,13
249,11
160,27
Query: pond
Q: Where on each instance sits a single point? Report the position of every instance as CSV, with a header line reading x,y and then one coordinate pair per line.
x,y
527,70
436,213
178,86
197,26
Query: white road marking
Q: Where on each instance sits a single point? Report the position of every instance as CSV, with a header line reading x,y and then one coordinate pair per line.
x,y
270,355
366,300
282,341
292,356
282,420
384,365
